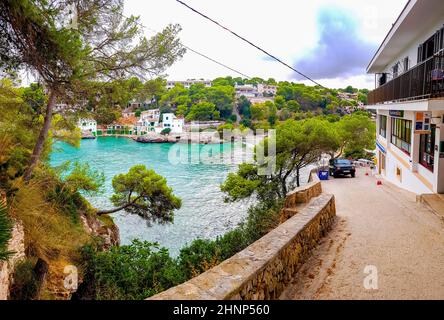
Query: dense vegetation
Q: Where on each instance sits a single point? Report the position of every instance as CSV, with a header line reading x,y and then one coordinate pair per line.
x,y
142,269
218,102
67,61
5,232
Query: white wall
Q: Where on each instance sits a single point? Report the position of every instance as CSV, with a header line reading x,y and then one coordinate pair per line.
x,y
439,162
408,180
410,169
172,122
87,125
411,49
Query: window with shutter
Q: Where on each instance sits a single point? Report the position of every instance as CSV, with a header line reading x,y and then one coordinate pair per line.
x,y
419,54
406,64
395,70
441,39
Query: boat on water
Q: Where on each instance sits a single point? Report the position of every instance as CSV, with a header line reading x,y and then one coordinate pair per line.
x,y
88,135
147,139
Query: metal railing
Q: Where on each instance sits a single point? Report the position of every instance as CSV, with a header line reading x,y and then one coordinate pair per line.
x,y
426,80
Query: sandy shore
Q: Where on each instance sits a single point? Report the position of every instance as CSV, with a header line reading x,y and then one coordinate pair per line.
x,y
380,226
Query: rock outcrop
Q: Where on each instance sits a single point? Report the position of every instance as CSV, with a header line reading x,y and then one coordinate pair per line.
x,y
106,230
16,245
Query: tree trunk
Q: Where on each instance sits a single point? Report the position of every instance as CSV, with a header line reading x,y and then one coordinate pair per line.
x,y
284,188
40,270
298,182
102,212
38,148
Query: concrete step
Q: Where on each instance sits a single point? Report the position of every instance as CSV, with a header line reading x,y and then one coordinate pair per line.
x,y
434,202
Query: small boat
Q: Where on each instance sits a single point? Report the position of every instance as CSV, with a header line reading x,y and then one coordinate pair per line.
x,y
145,139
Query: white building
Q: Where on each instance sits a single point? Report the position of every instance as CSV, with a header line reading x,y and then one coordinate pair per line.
x,y
148,120
128,112
266,89
188,83
176,124
246,90
409,98
347,96
257,100
88,126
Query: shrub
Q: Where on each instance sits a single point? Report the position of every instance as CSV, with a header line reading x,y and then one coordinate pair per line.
x,y
232,118
246,123
130,272
166,131
5,232
226,126
198,257
202,255
142,269
232,242
25,286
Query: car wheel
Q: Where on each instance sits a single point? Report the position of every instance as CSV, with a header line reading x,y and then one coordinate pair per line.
x,y
353,175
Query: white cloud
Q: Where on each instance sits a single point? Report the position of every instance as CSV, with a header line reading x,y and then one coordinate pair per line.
x,y
286,28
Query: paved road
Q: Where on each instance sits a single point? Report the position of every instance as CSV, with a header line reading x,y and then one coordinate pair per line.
x,y
380,226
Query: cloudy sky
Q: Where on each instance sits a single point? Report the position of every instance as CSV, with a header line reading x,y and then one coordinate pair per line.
x,y
332,41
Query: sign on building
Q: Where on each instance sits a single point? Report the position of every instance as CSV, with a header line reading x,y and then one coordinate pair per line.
x,y
397,113
423,122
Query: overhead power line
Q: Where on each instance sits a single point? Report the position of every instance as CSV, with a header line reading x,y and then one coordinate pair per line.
x,y
215,61
250,43
197,52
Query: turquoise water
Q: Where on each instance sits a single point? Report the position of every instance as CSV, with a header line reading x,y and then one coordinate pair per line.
x,y
203,214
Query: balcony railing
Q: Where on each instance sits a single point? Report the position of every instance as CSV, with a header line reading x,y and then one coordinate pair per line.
x,y
426,80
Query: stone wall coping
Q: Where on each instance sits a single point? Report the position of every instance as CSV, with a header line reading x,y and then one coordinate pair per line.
x,y
227,279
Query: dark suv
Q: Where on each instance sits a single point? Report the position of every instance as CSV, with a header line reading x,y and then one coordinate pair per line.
x,y
342,167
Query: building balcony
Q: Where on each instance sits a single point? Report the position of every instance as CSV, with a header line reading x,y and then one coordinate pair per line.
x,y
424,81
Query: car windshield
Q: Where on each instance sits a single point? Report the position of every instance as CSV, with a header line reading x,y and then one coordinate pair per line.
x,y
343,162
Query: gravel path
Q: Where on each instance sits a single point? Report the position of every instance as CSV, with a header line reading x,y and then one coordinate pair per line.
x,y
380,226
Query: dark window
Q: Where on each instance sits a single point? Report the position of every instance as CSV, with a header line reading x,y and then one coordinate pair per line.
x,y
427,149
402,134
382,79
383,126
427,49
343,162
406,64
441,41
395,70
420,51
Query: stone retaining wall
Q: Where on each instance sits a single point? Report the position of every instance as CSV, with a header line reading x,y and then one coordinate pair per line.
x,y
17,246
262,270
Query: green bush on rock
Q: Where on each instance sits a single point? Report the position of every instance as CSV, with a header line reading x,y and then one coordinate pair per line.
x,y
143,269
